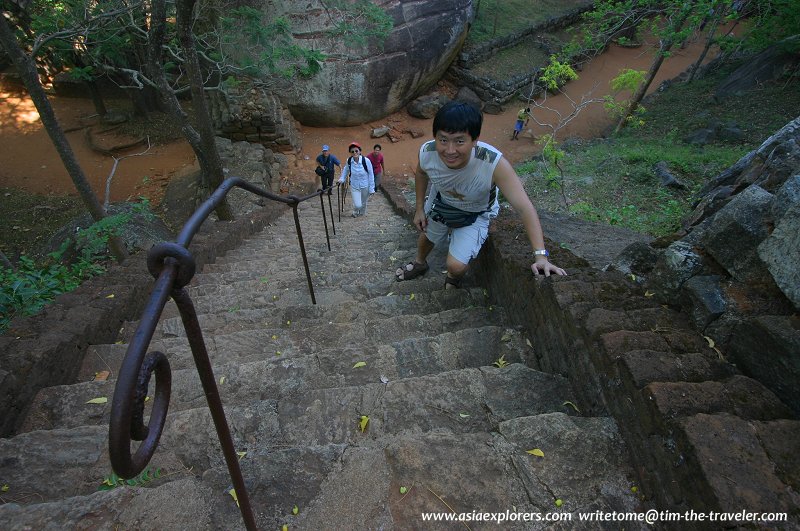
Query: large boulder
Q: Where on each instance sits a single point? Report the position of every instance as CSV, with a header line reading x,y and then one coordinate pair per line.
x,y
362,83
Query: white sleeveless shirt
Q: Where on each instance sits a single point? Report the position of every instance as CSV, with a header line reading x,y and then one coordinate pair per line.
x,y
469,188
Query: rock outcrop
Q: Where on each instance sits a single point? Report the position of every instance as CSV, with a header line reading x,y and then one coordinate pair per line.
x,y
734,270
359,84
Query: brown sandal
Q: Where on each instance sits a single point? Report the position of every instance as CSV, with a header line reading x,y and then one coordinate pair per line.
x,y
415,270
455,282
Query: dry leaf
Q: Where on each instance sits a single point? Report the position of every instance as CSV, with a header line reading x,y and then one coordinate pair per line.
x,y
506,338
241,454
568,403
648,293
411,297
362,424
101,376
360,364
295,510
528,341
710,341
100,400
463,415
222,380
110,296
536,452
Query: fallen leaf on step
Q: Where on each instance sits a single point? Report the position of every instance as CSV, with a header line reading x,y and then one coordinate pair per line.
x,y
295,510
568,403
506,338
384,379
110,296
100,400
411,297
362,424
648,293
232,492
241,454
222,380
360,364
101,376
536,452
403,490
463,415
528,341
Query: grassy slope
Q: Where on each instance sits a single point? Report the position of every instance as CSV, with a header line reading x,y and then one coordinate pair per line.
x,y
612,180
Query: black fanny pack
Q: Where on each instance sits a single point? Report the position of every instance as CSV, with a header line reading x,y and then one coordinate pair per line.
x,y
451,216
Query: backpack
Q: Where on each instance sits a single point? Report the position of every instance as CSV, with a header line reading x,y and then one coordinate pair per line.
x,y
363,163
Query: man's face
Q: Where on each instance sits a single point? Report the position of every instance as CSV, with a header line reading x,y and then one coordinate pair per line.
x,y
324,152
455,149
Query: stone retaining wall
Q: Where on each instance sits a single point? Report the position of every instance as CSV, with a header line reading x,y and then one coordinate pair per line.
x,y
502,90
251,114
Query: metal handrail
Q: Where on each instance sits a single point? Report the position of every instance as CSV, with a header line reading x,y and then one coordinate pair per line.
x,y
173,267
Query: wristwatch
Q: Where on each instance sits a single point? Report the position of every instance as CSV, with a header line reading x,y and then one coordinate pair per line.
x,y
541,252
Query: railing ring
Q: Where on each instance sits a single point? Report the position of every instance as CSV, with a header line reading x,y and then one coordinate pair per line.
x,y
186,264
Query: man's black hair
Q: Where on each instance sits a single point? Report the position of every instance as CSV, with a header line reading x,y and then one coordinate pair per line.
x,y
458,116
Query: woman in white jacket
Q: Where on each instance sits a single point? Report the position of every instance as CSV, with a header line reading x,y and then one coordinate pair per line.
x,y
362,178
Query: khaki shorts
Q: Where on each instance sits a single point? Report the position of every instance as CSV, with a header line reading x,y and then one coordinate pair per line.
x,y
465,242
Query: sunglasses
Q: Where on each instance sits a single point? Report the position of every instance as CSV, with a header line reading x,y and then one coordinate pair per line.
x,y
355,150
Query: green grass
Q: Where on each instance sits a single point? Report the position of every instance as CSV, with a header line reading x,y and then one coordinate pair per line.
x,y
612,180
520,59
497,18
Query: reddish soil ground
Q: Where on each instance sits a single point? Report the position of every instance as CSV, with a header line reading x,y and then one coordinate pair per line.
x,y
30,162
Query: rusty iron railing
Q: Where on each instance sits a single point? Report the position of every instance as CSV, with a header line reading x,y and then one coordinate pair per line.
x,y
173,266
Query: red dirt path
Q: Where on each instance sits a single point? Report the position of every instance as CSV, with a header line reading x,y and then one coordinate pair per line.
x,y
30,162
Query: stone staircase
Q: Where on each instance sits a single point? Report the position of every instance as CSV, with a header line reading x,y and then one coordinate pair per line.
x,y
448,431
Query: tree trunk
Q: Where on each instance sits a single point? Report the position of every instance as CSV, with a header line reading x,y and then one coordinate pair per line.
x,y
709,42
639,96
213,171
27,70
97,98
205,157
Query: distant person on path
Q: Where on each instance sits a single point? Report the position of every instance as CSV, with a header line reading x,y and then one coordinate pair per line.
x,y
362,178
465,176
376,158
522,120
325,167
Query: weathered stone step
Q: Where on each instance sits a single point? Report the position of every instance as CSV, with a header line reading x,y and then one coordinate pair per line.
x,y
375,308
357,486
53,464
460,402
270,267
279,377
178,504
337,272
351,293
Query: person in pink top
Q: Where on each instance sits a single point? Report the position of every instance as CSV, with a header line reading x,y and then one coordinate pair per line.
x,y
376,158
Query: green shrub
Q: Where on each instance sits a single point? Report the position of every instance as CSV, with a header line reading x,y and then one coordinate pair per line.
x,y
26,290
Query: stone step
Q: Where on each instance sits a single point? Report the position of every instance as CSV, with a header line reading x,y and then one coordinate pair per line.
x,y
279,377
461,401
375,308
358,486
178,504
350,293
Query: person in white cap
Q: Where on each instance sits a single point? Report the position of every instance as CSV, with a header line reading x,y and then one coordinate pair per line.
x,y
325,167
362,178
